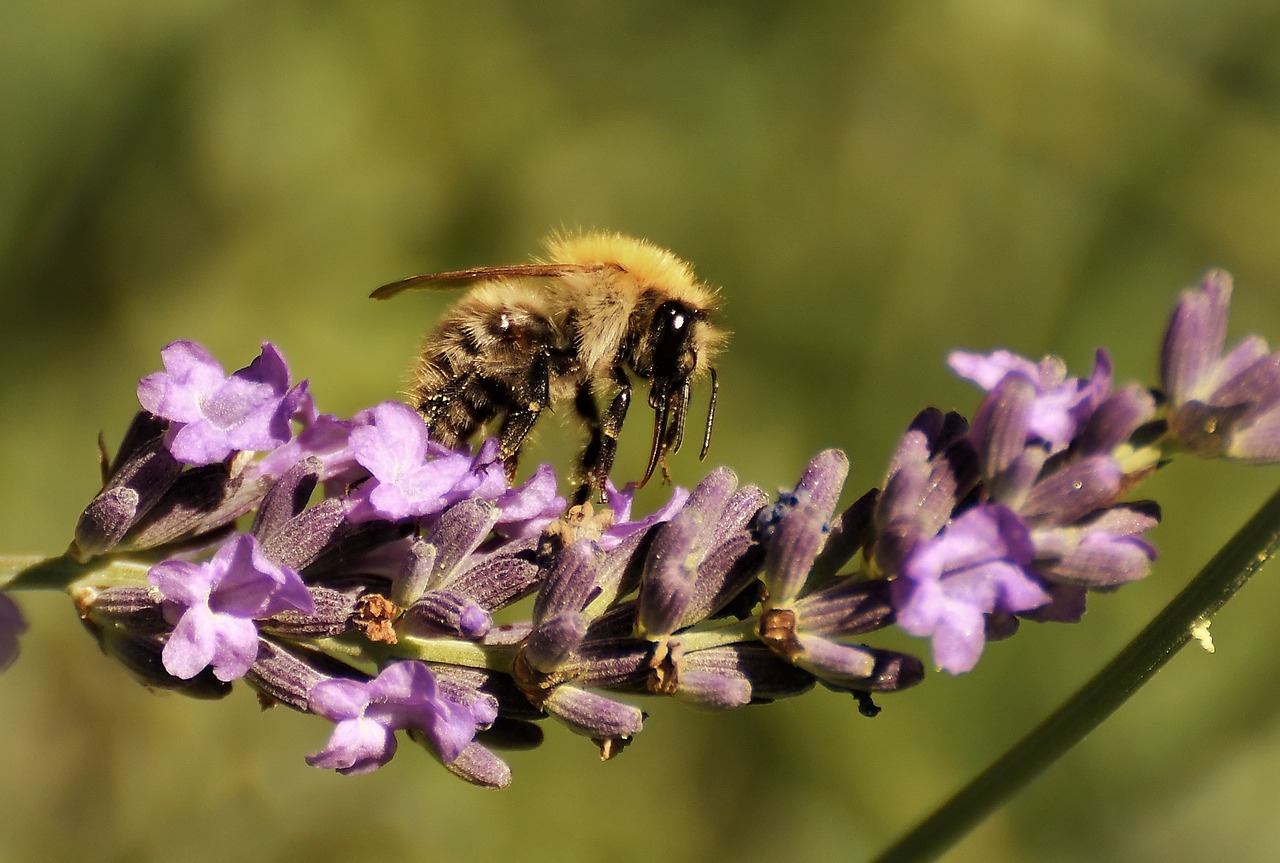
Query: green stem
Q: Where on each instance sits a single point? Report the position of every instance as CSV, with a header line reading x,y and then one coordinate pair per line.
x,y
1224,575
29,572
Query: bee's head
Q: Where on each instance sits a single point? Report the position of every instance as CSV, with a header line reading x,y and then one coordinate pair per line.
x,y
674,347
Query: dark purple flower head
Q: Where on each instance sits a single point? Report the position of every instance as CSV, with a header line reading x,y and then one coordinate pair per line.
x,y
1220,405
403,696
982,563
212,415
11,626
213,607
1059,405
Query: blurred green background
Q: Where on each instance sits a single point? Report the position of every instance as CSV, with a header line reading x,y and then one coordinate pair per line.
x,y
871,184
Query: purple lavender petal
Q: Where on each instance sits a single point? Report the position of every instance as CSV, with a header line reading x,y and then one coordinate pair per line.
x,y
1079,488
357,745
175,393
987,370
1259,443
620,503
11,626
527,509
213,605
213,415
405,484
202,638
367,714
1194,338
325,438
980,564
1061,404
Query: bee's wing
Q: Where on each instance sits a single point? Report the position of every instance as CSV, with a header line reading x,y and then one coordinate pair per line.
x,y
462,278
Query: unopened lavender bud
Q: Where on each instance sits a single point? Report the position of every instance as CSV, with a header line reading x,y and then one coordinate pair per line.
x,y
334,604
847,607
1073,492
595,716
285,673
286,498
611,663
1116,420
834,661
135,608
1003,423
667,580
415,574
499,579
822,480
893,671
476,764
554,640
450,612
722,678
202,500
134,487
297,542
571,583
459,532
792,540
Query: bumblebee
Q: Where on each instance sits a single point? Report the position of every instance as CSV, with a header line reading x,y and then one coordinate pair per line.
x,y
601,310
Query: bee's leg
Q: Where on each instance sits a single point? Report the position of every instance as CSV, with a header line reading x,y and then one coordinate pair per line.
x,y
527,403
597,460
450,412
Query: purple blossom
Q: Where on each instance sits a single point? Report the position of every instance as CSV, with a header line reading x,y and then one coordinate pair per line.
x,y
980,564
523,511
412,477
213,607
11,626
407,481
404,696
620,504
1061,405
1221,405
323,437
212,415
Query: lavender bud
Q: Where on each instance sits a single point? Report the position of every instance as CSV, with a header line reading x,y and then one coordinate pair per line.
x,y
284,673
595,716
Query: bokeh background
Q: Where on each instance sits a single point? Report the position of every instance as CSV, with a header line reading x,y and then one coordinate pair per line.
x,y
871,184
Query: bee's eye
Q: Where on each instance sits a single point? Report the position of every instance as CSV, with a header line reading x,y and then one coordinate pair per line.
x,y
672,326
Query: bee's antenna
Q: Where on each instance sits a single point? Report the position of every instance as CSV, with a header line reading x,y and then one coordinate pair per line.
x,y
711,415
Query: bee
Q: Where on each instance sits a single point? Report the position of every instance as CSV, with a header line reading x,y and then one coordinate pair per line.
x,y
601,309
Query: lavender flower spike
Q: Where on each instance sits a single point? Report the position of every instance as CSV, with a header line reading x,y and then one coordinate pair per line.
x,y
11,626
405,695
1220,405
213,607
213,415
